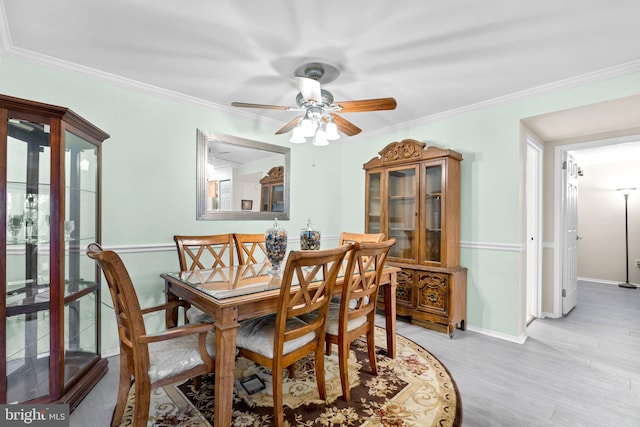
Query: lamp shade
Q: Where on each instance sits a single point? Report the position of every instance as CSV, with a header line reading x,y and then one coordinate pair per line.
x,y
320,138
307,127
298,137
332,131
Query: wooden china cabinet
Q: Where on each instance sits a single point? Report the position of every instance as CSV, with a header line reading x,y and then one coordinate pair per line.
x,y
272,191
49,289
413,195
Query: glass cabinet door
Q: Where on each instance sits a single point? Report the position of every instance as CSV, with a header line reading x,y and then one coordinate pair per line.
x,y
402,217
27,264
277,204
373,203
433,213
80,229
33,298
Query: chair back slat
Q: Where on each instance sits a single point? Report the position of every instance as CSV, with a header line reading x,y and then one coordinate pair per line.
x,y
362,279
204,252
250,248
348,237
316,273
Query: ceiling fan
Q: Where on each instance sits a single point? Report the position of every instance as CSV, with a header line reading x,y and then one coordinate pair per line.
x,y
320,120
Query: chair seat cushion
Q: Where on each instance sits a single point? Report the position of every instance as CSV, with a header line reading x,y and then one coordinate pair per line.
x,y
352,303
333,319
257,335
195,315
177,355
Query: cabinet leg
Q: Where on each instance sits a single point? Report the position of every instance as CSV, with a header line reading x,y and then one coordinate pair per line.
x,y
451,329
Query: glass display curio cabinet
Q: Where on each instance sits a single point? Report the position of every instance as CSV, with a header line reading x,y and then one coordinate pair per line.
x,y
413,195
50,290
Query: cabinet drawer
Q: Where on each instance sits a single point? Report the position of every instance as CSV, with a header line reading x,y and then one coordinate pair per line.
x,y
433,291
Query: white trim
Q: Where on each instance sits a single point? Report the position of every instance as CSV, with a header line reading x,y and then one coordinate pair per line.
x,y
141,248
164,247
126,83
557,220
537,146
5,36
509,247
604,282
506,337
583,79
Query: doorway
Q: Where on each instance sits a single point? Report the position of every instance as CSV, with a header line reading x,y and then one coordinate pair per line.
x,y
596,148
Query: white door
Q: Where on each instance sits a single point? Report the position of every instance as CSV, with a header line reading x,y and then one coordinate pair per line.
x,y
534,242
225,195
570,232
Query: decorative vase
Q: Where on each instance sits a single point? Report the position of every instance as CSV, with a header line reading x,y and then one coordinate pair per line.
x,y
31,218
309,238
14,225
276,244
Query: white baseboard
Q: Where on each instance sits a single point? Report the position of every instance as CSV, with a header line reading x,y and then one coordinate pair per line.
x,y
511,338
604,282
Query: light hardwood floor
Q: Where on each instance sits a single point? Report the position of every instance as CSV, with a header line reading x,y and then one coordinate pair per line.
x,y
582,370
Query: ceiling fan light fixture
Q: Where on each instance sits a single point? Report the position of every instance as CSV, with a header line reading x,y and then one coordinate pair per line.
x,y
307,127
320,138
331,131
297,137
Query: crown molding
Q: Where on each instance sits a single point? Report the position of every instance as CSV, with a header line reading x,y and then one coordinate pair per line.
x,y
5,36
572,82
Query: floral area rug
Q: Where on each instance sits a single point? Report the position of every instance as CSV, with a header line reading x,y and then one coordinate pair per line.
x,y
414,389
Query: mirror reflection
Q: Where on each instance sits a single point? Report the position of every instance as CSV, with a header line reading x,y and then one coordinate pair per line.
x,y
241,179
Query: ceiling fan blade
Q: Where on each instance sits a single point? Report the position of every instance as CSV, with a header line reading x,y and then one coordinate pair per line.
x,y
309,88
265,106
345,126
286,128
367,105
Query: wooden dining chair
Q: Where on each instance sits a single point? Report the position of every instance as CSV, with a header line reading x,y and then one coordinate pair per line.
x,y
203,253
278,340
147,360
250,248
348,237
354,315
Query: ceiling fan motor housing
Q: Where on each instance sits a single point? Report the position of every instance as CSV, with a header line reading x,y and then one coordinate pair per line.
x,y
325,102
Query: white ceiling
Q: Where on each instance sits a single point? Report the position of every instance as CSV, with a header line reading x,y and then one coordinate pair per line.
x,y
435,57
625,152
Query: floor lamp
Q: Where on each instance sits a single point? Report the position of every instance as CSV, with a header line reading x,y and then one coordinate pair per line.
x,y
625,192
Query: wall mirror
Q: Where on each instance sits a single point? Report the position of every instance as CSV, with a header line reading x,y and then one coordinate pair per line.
x,y
241,179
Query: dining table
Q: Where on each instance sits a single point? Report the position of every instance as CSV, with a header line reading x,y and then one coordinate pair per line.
x,y
232,294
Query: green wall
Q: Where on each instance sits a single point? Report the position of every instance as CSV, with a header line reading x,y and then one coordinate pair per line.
x,y
491,203
149,178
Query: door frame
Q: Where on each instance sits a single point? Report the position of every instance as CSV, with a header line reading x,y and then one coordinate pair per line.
x,y
558,235
533,190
